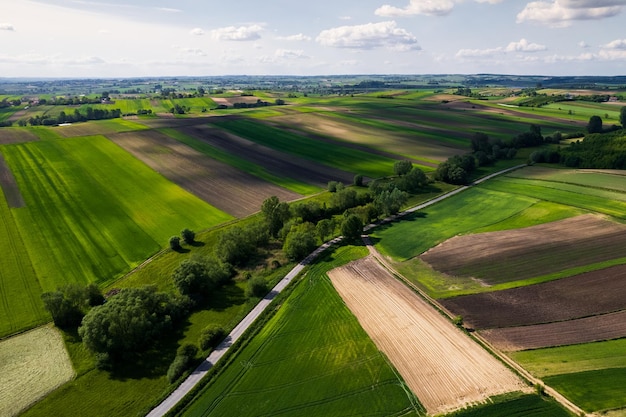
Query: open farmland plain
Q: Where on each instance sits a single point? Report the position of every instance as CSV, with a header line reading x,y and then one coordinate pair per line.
x,y
92,211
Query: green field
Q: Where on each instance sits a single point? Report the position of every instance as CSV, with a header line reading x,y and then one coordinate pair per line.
x,y
592,390
311,358
92,213
334,155
524,406
474,208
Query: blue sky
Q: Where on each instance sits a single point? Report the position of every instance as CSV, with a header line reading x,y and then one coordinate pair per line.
x,y
130,38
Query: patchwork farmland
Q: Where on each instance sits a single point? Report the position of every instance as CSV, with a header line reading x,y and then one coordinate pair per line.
x,y
100,198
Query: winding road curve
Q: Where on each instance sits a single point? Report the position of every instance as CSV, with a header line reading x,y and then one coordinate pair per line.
x,y
195,377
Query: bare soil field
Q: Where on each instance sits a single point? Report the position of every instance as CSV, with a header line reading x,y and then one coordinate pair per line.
x,y
230,101
276,162
440,364
224,187
585,330
517,254
10,135
9,186
584,295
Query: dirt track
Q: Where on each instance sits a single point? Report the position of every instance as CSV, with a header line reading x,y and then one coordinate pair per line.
x,y
441,365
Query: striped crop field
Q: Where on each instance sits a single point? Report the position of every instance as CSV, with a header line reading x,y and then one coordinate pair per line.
x,y
312,358
332,154
92,212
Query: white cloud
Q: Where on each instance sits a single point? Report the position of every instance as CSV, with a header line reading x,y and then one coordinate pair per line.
x,y
619,44
416,7
6,26
290,53
345,17
242,33
168,10
197,32
583,44
369,36
561,13
299,38
524,46
521,46
37,59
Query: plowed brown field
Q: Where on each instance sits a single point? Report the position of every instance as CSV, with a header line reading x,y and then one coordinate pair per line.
x,y
510,255
585,330
14,135
276,162
9,186
224,187
584,295
441,365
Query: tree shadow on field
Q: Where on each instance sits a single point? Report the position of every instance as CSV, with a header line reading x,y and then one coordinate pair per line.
x,y
196,244
408,217
224,297
154,362
181,250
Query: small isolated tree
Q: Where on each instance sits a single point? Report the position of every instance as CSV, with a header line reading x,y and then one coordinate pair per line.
x,y
257,287
188,236
358,180
275,213
175,243
594,125
184,358
210,336
332,186
352,227
402,167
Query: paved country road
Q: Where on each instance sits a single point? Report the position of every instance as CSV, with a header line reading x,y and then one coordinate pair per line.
x,y
195,377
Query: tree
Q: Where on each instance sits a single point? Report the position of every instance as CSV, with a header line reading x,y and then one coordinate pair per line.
x,y
358,180
175,243
332,186
188,236
413,181
195,276
622,117
352,227
257,287
300,241
130,321
480,142
234,246
402,167
389,202
68,304
276,213
594,125
324,228
210,336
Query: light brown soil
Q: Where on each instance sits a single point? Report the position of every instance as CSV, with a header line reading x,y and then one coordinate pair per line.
x,y
230,101
9,186
441,365
529,252
227,188
10,135
584,295
585,330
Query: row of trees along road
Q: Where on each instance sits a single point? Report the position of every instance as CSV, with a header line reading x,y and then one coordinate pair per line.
x,y
131,320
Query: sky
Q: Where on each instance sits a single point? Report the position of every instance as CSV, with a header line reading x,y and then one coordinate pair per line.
x,y
144,38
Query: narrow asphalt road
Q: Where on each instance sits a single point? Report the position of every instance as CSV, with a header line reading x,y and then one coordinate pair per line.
x,y
195,377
